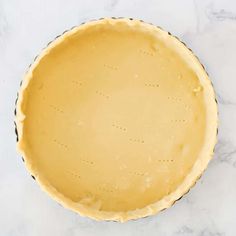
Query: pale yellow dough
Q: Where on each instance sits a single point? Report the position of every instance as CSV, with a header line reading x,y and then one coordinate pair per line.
x,y
116,119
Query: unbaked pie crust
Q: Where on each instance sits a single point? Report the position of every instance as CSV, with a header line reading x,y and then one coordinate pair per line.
x,y
116,119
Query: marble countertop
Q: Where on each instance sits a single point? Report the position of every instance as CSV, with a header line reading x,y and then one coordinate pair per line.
x,y
208,27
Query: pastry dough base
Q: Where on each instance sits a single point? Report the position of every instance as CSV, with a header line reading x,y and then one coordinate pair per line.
x,y
116,119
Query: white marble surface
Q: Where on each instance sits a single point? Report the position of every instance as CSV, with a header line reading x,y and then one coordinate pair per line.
x,y
208,27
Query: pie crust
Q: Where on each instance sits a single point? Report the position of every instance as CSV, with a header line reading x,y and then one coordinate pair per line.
x,y
116,119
